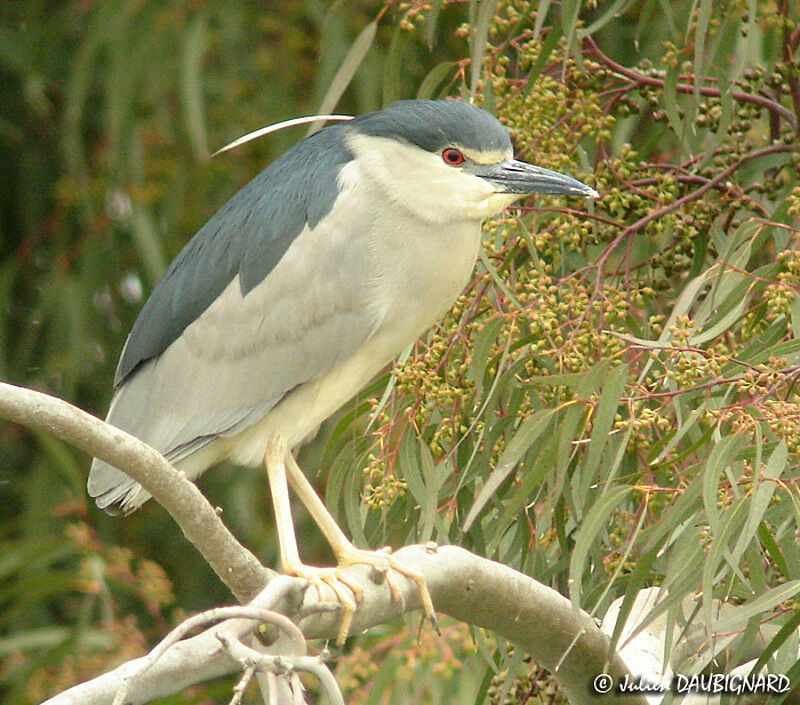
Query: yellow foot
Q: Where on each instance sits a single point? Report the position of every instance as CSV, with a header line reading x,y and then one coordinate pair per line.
x,y
383,562
333,578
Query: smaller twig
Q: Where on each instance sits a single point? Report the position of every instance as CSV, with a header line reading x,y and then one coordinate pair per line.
x,y
240,688
788,372
297,691
323,674
576,213
694,195
787,53
273,689
284,665
687,348
771,105
203,619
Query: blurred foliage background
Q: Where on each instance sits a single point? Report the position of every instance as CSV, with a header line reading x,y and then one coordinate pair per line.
x,y
611,404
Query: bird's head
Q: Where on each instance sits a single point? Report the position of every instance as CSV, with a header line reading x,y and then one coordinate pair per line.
x,y
446,161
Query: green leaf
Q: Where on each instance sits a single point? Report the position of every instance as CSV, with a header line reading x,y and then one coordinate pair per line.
x,y
772,549
789,349
637,581
148,243
541,12
347,70
393,66
760,501
191,87
725,119
720,457
734,518
670,101
630,543
427,89
527,433
498,281
594,524
794,312
481,348
685,301
591,380
689,423
726,320
479,38
354,509
787,630
603,421
759,607
389,387
432,481
553,35
529,487
14,54
408,459
565,380
617,8
700,35
431,22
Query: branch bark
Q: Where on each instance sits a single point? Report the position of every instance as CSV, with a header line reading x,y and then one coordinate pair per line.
x,y
239,569
476,590
481,592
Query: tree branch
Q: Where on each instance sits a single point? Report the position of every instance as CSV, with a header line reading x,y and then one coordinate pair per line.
x,y
476,590
774,107
462,585
239,569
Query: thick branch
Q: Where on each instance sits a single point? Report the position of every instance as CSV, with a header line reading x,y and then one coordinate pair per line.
x,y
239,569
476,590
473,589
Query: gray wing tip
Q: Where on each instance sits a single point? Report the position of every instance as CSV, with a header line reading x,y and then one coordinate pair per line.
x,y
113,491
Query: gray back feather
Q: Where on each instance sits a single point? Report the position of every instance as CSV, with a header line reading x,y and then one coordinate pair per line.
x,y
247,236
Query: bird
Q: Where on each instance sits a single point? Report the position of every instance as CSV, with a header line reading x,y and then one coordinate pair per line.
x,y
297,292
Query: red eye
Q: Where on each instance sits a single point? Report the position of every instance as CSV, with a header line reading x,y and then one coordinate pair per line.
x,y
452,156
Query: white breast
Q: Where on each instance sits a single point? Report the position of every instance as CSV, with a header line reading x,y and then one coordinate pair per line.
x,y
417,271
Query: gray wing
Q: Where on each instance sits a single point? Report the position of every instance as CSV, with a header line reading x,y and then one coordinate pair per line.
x,y
247,236
256,304
242,355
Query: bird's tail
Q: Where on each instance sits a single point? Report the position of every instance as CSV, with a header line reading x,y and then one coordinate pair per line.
x,y
113,490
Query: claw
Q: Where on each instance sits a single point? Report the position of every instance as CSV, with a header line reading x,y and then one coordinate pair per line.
x,y
333,578
382,557
383,562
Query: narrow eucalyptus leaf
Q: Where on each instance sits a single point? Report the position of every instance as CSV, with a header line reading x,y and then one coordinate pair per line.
x,y
347,70
595,524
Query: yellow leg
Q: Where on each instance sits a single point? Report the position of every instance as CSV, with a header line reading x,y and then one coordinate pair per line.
x,y
346,553
275,462
281,466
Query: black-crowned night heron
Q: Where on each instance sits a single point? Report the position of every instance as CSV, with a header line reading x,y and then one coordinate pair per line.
x,y
302,288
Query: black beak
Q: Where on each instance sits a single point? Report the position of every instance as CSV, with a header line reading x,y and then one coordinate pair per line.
x,y
513,176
